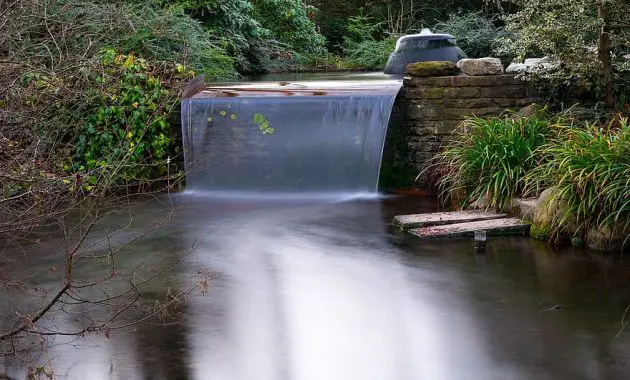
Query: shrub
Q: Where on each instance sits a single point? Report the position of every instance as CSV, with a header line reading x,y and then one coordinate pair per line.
x,y
370,54
173,36
585,41
86,27
231,21
289,22
588,170
487,159
476,33
126,129
361,47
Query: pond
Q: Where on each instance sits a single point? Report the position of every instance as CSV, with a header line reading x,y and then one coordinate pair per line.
x,y
255,285
329,290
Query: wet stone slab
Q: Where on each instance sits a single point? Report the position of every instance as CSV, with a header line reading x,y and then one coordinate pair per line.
x,y
495,227
407,222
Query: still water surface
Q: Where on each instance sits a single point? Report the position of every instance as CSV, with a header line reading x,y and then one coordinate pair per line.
x,y
330,291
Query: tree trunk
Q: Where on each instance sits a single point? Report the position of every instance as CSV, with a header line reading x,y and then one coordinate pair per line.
x,y
604,54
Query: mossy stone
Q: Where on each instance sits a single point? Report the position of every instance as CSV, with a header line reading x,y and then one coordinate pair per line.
x,y
540,231
431,69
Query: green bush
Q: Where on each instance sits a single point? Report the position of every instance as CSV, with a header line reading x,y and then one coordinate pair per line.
x,y
233,23
567,32
475,32
362,49
370,54
173,36
261,36
588,170
289,22
86,27
487,159
125,132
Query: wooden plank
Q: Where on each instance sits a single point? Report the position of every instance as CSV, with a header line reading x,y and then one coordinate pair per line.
x,y
495,227
407,222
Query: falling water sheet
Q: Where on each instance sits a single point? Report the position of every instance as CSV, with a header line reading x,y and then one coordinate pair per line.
x,y
327,140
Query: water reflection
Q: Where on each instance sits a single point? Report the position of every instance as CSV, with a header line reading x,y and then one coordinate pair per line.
x,y
330,291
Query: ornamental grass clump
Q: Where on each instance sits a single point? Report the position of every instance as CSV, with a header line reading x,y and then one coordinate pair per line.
x,y
588,172
487,159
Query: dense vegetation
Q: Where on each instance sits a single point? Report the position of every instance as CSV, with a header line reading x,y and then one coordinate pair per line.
x,y
88,87
485,165
585,170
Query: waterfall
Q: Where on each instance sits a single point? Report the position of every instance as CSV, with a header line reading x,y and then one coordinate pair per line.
x,y
299,138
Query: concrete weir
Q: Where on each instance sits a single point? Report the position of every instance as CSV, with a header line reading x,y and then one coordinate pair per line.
x,y
460,224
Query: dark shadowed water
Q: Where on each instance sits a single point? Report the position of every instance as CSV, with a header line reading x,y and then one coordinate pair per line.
x,y
329,291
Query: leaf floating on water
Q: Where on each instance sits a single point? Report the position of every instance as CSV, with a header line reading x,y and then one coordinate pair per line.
x,y
233,116
222,112
263,124
259,119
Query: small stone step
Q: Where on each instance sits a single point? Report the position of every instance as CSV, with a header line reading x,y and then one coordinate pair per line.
x,y
495,227
407,222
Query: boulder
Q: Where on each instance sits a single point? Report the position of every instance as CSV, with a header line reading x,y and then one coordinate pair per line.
x,y
544,212
607,239
525,208
529,111
481,66
530,64
431,69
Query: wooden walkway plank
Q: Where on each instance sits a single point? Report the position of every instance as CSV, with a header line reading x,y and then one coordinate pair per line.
x,y
495,227
407,222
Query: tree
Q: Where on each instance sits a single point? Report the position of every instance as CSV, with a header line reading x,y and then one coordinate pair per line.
x,y
584,39
290,23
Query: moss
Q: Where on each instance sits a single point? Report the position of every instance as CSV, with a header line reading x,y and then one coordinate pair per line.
x,y
540,231
431,69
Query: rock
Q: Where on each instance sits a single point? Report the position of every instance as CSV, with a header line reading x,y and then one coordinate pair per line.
x,y
529,111
526,207
481,66
431,69
604,239
530,64
543,216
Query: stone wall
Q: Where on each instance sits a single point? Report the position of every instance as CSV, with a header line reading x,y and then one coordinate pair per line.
x,y
428,110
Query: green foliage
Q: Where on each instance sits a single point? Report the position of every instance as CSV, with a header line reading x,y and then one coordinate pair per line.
x,y
173,36
540,231
262,35
263,124
360,46
370,54
363,28
488,158
125,134
86,27
234,23
589,172
566,32
289,22
475,32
